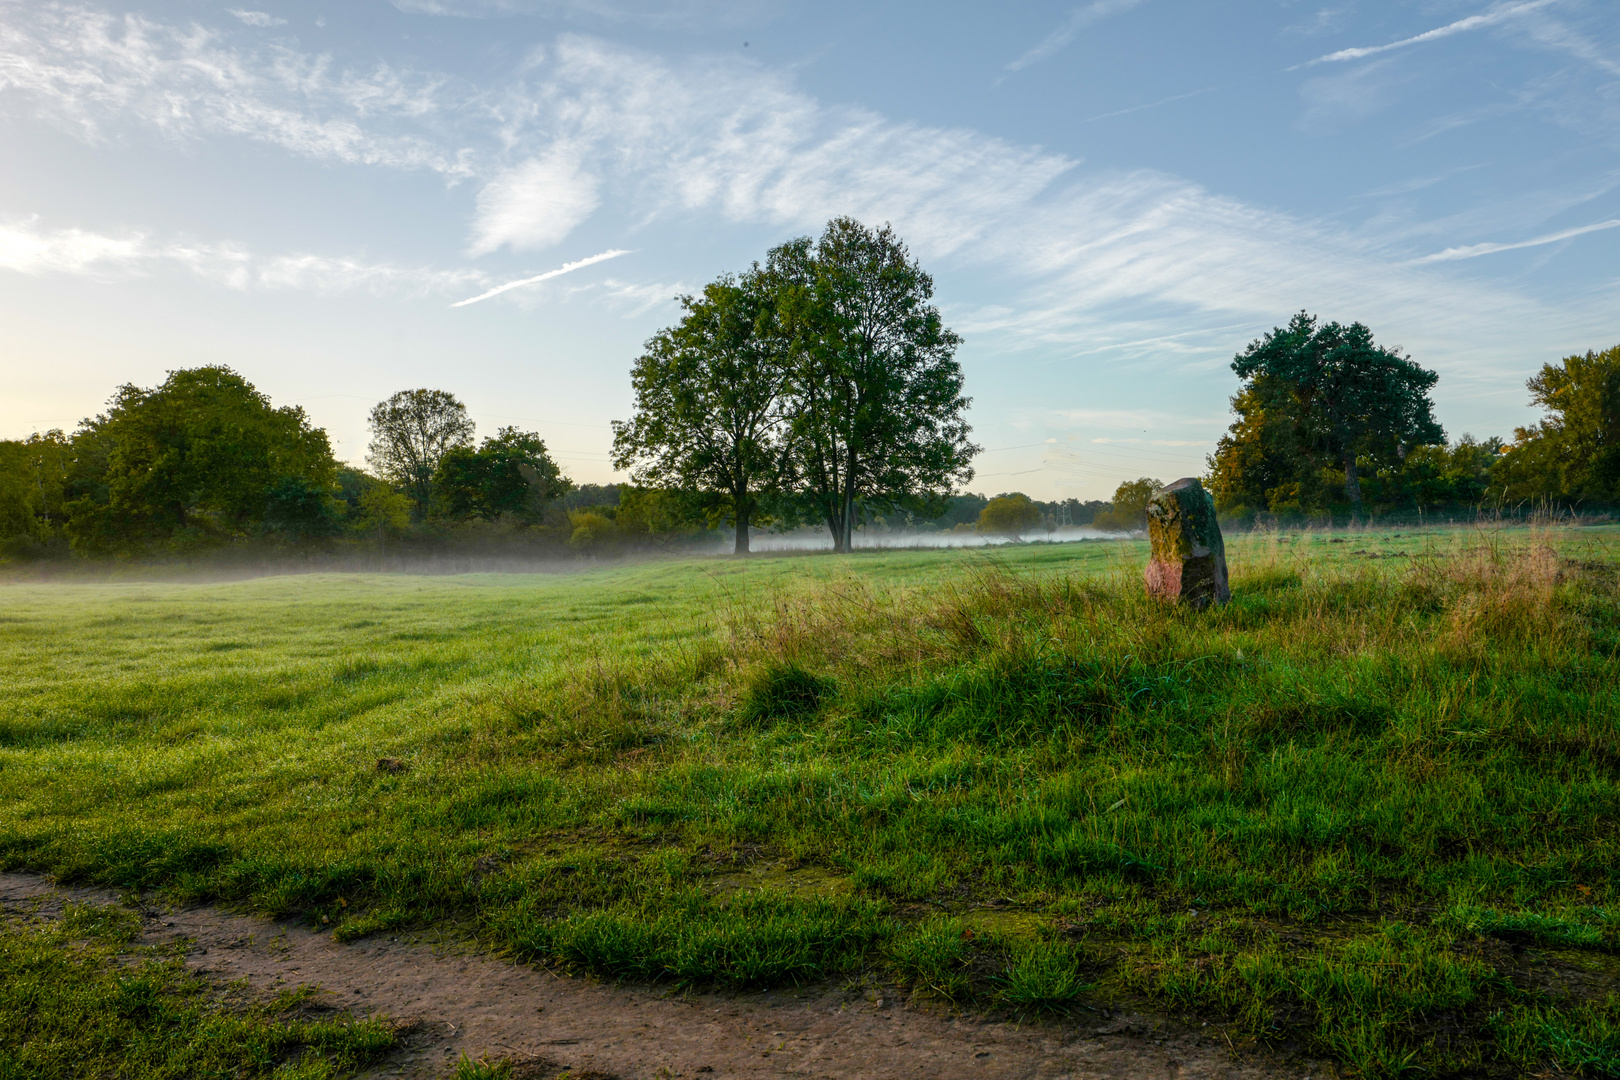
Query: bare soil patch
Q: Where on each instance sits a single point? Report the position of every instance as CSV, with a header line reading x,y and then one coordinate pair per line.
x,y
458,1001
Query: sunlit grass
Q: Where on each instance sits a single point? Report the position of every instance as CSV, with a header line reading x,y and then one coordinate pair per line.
x,y
1324,815
76,1000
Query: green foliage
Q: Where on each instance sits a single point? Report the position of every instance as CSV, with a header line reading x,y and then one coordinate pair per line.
x,y
711,401
1573,453
510,474
468,1069
1129,509
202,458
1458,475
877,421
934,957
411,433
1009,515
784,691
383,511
300,510
821,387
1589,932
1318,402
1043,975
34,476
74,1001
1584,1039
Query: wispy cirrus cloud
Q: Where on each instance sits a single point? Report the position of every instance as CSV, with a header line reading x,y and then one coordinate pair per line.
x,y
1497,15
1140,262
1473,251
1059,39
87,69
28,248
257,18
650,12
565,268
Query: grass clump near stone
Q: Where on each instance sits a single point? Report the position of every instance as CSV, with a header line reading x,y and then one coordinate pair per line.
x,y
1367,810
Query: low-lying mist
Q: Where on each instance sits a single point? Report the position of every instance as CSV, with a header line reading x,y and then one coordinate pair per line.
x,y
231,564
807,540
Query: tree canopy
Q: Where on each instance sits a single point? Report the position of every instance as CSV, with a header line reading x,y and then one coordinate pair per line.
x,y
1573,453
711,394
410,434
193,459
1318,400
510,475
1009,515
877,417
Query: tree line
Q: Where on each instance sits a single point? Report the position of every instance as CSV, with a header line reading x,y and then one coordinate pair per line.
x,y
1330,422
818,386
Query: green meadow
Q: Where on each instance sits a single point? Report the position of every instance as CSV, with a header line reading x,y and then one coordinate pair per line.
x,y
1366,811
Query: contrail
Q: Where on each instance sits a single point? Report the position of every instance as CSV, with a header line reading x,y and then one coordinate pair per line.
x,y
1473,22
1475,250
563,269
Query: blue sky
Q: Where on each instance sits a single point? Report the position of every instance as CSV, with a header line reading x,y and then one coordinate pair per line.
x,y
1113,198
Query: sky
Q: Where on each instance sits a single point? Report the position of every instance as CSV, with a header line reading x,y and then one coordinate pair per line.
x,y
502,198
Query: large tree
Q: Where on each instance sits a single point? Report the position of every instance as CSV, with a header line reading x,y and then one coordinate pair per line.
x,y
33,488
510,475
410,434
1348,395
877,412
203,456
1573,453
709,401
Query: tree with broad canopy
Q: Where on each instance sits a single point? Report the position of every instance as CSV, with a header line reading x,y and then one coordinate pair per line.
x,y
1346,396
876,417
710,404
509,475
410,434
202,457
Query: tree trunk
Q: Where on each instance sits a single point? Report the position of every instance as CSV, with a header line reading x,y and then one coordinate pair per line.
x,y
741,547
1352,485
848,499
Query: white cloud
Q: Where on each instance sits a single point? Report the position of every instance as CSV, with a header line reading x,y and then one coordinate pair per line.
x,y
565,268
1352,95
1473,251
1472,22
1137,265
655,12
1059,39
733,139
257,18
1559,36
536,204
87,69
27,248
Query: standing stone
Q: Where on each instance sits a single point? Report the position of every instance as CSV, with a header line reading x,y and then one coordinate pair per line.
x,y
1189,560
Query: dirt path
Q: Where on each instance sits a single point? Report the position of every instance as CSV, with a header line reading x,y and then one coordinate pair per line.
x,y
477,1005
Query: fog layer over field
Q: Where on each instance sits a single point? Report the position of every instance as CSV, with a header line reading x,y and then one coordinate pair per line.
x,y
806,540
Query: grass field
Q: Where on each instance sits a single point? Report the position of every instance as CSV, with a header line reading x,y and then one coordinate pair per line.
x,y
1368,810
